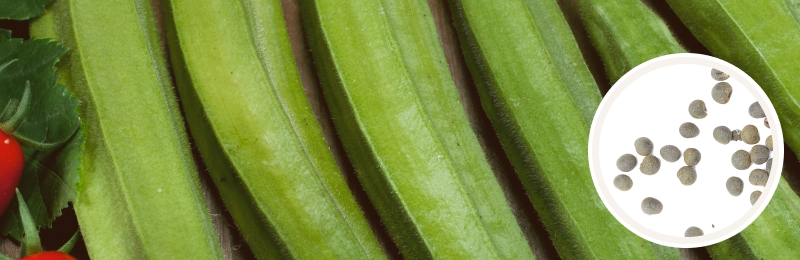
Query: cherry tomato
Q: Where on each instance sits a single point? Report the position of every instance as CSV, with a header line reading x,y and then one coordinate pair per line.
x,y
49,255
11,162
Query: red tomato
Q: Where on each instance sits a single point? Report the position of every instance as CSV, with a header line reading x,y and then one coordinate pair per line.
x,y
11,162
50,255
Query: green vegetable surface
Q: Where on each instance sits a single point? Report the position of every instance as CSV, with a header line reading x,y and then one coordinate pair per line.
x,y
257,134
139,194
400,119
541,98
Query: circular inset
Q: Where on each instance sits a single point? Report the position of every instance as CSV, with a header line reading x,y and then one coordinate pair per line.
x,y
700,196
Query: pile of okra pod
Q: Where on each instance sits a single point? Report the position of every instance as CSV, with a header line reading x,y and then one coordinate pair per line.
x,y
373,129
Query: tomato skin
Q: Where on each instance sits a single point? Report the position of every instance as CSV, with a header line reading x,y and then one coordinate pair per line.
x,y
11,163
49,255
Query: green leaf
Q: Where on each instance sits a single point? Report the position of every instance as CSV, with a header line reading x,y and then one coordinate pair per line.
x,y
50,177
21,9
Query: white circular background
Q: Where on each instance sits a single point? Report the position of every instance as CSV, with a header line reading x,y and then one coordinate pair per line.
x,y
652,101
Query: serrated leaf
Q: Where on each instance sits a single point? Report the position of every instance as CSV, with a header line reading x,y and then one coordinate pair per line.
x,y
21,9
49,179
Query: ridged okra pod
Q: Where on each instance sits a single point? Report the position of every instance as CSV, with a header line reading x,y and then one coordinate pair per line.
x,y
541,98
762,39
139,195
257,134
400,117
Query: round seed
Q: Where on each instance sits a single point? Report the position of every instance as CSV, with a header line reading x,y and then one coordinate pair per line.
x,y
623,182
736,135
750,134
650,165
722,134
643,146
651,206
687,175
735,186
719,75
689,130
754,197
626,162
759,154
741,160
693,232
721,92
670,153
697,109
755,110
769,142
766,122
759,177
691,157
769,165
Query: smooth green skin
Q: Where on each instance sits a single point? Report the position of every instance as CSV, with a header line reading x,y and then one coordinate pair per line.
x,y
761,39
626,33
258,135
139,195
526,61
773,235
402,123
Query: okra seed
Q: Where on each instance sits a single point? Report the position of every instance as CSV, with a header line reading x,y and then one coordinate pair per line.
x,y
650,165
693,232
722,134
755,110
766,122
651,206
721,92
750,134
697,109
741,160
643,146
687,175
769,165
623,182
759,154
736,135
769,142
719,75
759,177
626,162
691,157
689,130
754,197
670,153
735,186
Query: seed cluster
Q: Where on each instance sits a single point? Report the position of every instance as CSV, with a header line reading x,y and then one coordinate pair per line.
x,y
687,175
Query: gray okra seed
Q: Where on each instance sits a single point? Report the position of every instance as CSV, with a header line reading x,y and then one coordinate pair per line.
x,y
721,92
759,177
643,146
691,157
623,182
722,134
719,75
759,154
754,197
766,122
670,153
651,206
650,165
755,110
626,162
736,135
689,130
697,109
693,232
687,175
769,165
741,160
750,134
768,142
734,186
